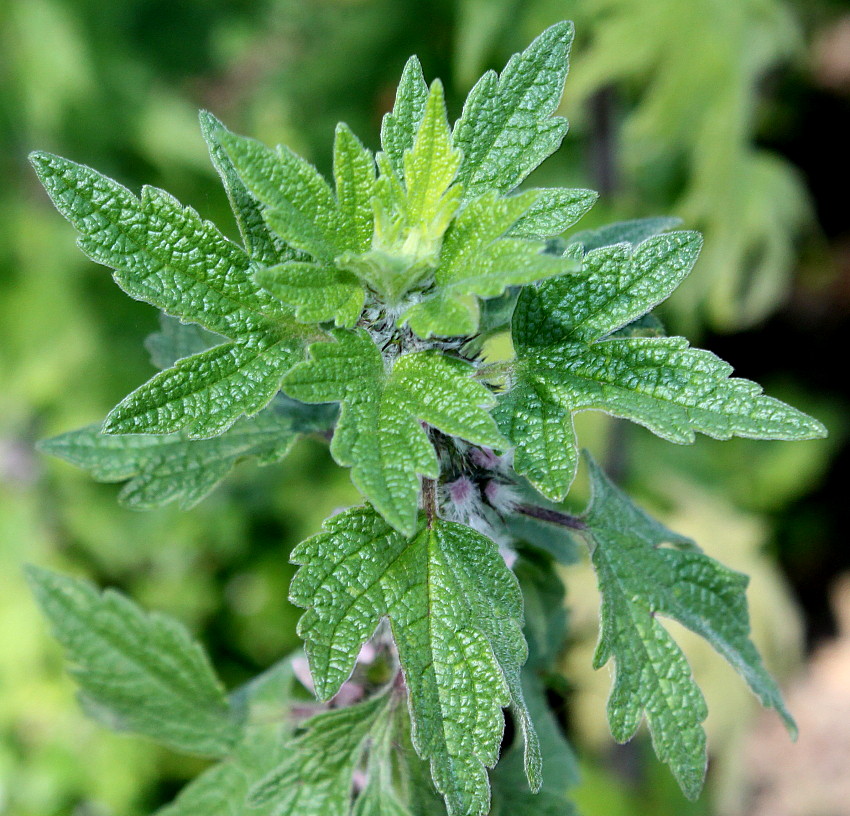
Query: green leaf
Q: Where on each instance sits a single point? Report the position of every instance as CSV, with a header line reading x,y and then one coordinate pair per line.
x,y
300,206
566,363
506,128
412,216
223,789
260,244
173,467
640,580
205,394
164,254
379,433
624,232
456,613
354,175
553,211
398,129
476,260
140,672
315,779
319,293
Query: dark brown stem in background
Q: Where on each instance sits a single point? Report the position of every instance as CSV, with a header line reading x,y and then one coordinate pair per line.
x,y
552,516
429,500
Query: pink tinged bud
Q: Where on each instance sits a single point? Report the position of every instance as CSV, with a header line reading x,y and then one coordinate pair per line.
x,y
485,458
367,655
461,491
348,694
502,497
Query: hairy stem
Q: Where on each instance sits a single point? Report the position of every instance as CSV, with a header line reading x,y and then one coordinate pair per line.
x,y
552,516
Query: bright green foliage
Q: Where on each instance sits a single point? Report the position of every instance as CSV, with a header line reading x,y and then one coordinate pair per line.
x,y
640,579
138,672
379,432
419,256
166,255
475,262
174,467
566,363
455,611
506,128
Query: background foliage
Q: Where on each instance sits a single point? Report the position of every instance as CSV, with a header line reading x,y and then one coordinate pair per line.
x,y
726,114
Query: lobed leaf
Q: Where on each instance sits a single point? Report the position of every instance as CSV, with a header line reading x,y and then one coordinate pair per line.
x,y
456,613
137,671
566,364
379,433
506,128
641,580
173,467
554,210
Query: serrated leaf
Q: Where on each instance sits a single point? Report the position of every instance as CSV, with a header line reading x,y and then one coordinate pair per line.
x,y
140,669
623,232
205,394
411,216
172,467
164,254
354,176
223,789
456,613
315,779
476,260
506,128
379,433
553,211
641,580
398,129
565,363
176,340
300,206
318,293
260,244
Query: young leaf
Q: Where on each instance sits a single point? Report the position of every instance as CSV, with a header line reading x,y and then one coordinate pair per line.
x,y
640,580
379,433
315,778
506,128
164,254
267,740
173,467
476,260
354,175
260,244
398,129
456,613
412,216
565,364
137,671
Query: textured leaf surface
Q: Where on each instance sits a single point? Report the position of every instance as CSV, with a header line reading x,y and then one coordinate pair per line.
x,y
640,580
477,260
566,362
223,789
172,467
315,779
456,613
260,244
398,129
624,232
507,128
141,672
379,433
553,211
165,254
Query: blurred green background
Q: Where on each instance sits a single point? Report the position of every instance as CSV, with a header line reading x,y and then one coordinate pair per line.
x,y
732,114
